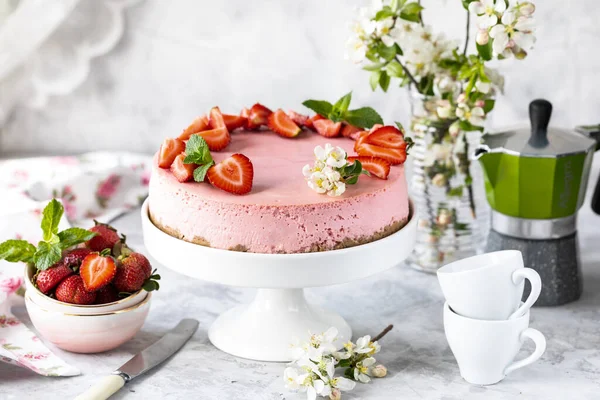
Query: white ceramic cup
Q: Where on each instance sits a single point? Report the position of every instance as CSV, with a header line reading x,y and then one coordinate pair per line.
x,y
489,286
485,350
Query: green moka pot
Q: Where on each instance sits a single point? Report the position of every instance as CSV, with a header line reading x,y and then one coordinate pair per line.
x,y
535,181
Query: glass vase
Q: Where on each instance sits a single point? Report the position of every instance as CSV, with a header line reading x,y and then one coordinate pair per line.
x,y
447,188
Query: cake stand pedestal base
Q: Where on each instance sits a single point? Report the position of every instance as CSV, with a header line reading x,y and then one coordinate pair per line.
x,y
262,329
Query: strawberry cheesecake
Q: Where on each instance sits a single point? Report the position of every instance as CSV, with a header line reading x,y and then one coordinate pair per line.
x,y
248,193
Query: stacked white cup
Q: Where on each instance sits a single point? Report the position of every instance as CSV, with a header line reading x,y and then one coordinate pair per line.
x,y
484,319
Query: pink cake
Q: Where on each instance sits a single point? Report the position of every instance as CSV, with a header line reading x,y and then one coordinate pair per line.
x,y
281,214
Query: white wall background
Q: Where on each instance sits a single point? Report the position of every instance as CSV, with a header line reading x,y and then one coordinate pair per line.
x,y
180,57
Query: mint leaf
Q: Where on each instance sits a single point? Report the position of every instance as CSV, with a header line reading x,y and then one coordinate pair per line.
x,y
51,217
46,255
374,79
342,104
197,151
72,236
17,250
200,172
321,107
364,117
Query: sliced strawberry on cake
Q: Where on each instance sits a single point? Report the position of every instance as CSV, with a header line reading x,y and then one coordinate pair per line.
x,y
375,165
233,122
283,124
258,116
350,131
170,149
299,119
200,124
181,171
393,156
310,123
218,137
387,136
234,174
361,138
327,128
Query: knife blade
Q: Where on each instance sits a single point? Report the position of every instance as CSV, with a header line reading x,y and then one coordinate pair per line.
x,y
148,358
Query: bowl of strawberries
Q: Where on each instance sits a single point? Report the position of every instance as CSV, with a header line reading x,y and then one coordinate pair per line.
x,y
87,291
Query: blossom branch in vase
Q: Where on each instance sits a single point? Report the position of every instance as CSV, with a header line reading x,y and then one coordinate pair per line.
x,y
455,90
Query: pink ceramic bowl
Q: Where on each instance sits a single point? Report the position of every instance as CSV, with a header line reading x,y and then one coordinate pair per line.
x,y
87,333
54,305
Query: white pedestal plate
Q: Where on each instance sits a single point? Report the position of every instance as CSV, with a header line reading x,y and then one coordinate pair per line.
x,y
263,329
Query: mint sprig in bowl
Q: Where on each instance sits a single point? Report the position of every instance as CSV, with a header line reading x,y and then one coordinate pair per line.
x,y
76,270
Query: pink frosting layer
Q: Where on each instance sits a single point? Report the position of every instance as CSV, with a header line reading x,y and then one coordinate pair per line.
x,y
281,214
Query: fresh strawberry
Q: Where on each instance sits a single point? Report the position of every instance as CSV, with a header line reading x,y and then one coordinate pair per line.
x,y
72,290
200,124
375,127
310,123
393,156
216,139
233,122
181,171
97,271
170,149
216,118
132,272
327,128
298,118
387,136
362,137
107,294
375,165
74,258
258,116
358,134
47,280
349,131
106,237
282,124
234,175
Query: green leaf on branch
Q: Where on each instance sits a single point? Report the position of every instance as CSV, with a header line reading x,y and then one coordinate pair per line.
x,y
46,255
364,117
485,51
17,250
73,236
374,67
384,81
394,69
51,218
374,79
489,105
411,12
387,53
466,3
321,107
386,12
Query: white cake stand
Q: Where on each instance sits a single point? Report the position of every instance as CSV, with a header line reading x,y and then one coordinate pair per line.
x,y
264,329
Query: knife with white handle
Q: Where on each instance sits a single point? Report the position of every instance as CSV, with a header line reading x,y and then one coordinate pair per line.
x,y
148,358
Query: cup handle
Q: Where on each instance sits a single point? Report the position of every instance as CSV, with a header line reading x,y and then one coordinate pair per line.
x,y
540,348
536,287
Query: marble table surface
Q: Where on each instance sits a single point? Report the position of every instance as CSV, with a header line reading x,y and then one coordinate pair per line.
x,y
420,364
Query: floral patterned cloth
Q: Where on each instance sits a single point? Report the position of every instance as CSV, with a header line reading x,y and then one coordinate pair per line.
x,y
97,186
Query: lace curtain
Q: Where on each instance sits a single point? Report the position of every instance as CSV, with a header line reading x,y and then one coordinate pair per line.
x,y
46,46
